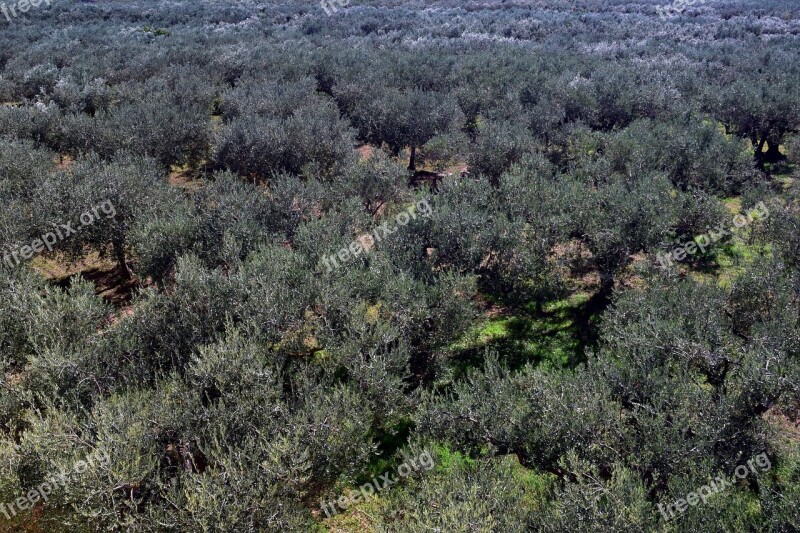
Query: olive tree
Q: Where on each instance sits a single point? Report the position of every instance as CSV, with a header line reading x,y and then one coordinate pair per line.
x,y
98,204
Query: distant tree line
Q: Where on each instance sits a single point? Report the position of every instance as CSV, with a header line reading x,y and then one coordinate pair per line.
x,y
244,382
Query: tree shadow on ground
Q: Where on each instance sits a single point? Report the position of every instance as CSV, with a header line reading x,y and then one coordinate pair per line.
x,y
109,283
554,335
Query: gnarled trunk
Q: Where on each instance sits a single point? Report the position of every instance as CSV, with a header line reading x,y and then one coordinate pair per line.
x,y
607,281
773,153
412,164
119,254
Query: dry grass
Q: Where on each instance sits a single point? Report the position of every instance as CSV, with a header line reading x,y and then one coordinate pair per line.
x,y
785,425
183,178
64,162
102,272
365,152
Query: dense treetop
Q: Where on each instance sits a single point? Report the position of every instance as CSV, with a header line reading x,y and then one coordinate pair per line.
x,y
308,249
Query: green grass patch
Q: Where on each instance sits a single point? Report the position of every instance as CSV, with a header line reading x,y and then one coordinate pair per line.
x,y
734,205
362,516
537,485
389,441
735,257
359,517
730,260
447,460
552,334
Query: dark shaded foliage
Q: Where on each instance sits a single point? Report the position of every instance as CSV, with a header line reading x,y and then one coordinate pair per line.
x,y
242,146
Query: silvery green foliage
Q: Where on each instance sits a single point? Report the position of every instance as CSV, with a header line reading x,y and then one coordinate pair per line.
x,y
488,495
619,216
612,502
243,381
23,167
676,386
124,194
498,147
313,140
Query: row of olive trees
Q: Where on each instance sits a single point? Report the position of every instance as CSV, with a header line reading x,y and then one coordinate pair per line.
x,y
675,395
295,127
246,382
263,368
